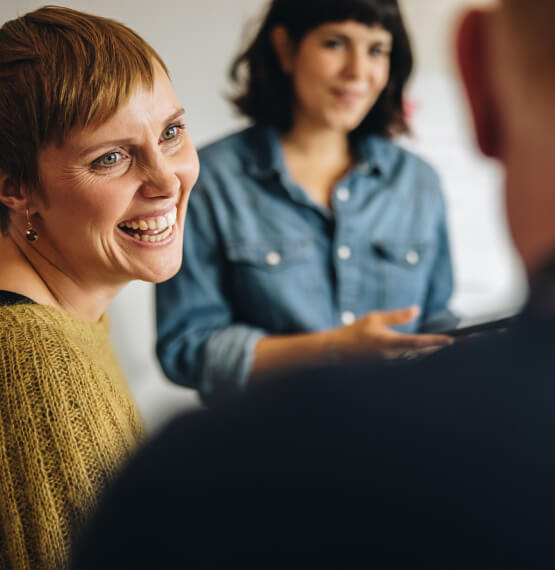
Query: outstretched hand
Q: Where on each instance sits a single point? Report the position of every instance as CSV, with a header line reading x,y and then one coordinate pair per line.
x,y
372,334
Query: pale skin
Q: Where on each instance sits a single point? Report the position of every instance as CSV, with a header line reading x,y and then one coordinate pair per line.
x,y
338,72
139,164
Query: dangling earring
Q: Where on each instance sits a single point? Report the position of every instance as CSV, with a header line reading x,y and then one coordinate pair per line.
x,y
30,234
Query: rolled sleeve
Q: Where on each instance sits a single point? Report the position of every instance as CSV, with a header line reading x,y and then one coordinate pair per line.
x,y
228,355
199,344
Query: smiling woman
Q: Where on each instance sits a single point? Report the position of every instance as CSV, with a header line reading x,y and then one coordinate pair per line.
x,y
130,170
312,236
96,168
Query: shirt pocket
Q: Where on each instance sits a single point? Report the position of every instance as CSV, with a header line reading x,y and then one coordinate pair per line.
x,y
271,282
404,268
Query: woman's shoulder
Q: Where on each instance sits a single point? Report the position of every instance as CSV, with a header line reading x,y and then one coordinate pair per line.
x,y
20,313
403,168
235,149
48,353
66,426
397,155
29,330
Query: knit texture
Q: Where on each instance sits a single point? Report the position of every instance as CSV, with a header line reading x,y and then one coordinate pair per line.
x,y
67,423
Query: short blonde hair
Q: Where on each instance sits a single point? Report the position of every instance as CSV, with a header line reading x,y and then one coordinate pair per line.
x,y
61,69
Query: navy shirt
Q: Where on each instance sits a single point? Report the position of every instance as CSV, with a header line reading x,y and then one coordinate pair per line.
x,y
261,257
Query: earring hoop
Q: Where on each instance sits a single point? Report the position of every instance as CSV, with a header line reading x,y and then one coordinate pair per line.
x,y
30,234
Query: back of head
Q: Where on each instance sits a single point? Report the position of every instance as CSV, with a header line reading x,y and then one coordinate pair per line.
x,y
532,25
265,93
61,69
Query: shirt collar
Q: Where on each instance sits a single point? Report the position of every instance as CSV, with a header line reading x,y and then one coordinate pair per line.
x,y
375,155
263,156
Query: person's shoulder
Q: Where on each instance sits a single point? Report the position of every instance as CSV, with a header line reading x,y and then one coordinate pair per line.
x,y
398,157
230,149
27,319
47,352
41,321
40,337
226,165
33,341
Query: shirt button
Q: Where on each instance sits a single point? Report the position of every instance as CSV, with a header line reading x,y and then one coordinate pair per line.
x,y
344,252
273,258
343,194
412,257
348,317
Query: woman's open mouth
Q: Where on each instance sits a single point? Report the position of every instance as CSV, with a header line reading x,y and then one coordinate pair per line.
x,y
150,229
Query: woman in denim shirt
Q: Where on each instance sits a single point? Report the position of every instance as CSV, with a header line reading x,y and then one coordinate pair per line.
x,y
310,235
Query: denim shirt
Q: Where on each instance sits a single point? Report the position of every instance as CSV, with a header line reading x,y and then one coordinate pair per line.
x,y
260,257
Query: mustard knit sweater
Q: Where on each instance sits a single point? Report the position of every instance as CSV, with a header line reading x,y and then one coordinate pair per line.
x,y
67,422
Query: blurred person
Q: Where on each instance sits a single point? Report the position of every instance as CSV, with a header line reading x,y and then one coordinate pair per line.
x,y
311,234
447,462
95,174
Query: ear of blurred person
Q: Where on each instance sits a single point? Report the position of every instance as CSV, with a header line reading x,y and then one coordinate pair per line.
x,y
446,462
506,59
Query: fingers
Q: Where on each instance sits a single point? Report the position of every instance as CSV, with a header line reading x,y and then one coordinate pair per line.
x,y
398,317
415,341
415,353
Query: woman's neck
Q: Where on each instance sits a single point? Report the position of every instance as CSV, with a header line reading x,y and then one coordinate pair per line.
x,y
317,142
317,159
27,272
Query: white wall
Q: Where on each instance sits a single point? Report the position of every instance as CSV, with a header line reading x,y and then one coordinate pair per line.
x,y
197,39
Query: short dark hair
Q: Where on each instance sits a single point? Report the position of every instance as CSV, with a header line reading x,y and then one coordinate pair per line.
x,y
265,93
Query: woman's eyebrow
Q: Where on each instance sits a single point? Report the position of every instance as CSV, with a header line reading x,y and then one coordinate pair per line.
x,y
125,141
175,115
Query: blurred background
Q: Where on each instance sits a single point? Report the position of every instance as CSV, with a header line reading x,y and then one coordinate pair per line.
x,y
198,38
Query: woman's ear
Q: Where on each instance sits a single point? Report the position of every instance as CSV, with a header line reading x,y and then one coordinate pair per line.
x,y
11,194
284,48
473,59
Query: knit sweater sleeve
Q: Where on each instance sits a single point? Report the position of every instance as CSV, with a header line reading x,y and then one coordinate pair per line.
x,y
67,422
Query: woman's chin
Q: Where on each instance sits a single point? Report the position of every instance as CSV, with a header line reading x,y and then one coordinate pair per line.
x,y
165,269
153,262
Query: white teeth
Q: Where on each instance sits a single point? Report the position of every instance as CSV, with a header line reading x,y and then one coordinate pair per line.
x,y
162,223
155,238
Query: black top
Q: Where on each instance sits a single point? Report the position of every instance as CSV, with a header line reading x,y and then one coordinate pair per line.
x,y
11,298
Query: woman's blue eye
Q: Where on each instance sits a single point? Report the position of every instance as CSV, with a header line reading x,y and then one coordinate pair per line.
x,y
169,133
109,159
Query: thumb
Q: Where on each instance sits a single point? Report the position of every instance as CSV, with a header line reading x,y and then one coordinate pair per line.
x,y
399,317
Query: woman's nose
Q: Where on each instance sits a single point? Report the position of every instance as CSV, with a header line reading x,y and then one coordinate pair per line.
x,y
359,64
160,181
355,65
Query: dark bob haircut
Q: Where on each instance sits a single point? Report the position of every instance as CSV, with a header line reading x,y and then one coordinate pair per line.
x,y
264,92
